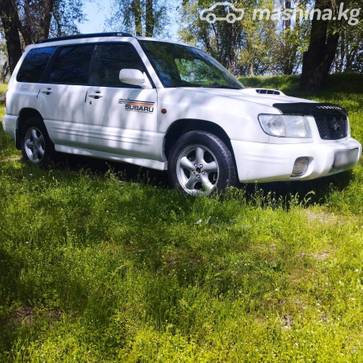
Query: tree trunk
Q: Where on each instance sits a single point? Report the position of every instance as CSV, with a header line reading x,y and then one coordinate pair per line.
x,y
251,70
36,20
10,20
289,49
287,23
47,17
150,20
136,9
321,52
26,28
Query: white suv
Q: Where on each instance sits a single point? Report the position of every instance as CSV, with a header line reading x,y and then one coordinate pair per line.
x,y
172,107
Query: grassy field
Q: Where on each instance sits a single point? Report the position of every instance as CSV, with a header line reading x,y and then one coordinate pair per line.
x,y
103,262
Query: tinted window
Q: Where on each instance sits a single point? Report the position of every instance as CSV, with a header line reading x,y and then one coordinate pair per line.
x,y
71,65
109,59
34,64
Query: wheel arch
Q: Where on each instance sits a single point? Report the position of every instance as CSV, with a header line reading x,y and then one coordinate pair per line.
x,y
24,115
181,126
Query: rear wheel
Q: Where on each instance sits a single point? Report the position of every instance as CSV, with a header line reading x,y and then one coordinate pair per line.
x,y
200,164
37,148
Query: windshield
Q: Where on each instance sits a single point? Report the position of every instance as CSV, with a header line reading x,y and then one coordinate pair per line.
x,y
182,66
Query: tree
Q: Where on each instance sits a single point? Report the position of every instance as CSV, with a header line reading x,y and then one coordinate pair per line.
x,y
66,15
321,52
349,55
42,18
325,37
244,46
258,45
221,39
291,39
135,9
149,18
141,17
29,21
35,17
10,24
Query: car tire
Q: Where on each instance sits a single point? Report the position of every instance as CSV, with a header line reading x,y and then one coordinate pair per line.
x,y
200,164
36,146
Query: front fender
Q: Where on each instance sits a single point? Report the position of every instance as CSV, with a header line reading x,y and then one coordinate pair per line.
x,y
238,118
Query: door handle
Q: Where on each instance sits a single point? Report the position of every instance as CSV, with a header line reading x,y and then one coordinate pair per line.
x,y
95,96
46,91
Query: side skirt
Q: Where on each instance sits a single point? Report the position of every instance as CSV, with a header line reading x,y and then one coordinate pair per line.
x,y
147,163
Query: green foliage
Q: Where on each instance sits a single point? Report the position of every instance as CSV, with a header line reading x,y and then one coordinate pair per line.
x,y
3,88
141,17
40,20
249,46
96,267
65,17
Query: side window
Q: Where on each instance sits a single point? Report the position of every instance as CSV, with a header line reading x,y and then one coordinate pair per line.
x,y
109,59
71,65
34,64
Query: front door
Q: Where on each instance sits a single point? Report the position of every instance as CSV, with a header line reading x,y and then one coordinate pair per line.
x,y
122,118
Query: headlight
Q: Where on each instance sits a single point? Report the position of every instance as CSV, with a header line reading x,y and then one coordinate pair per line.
x,y
285,125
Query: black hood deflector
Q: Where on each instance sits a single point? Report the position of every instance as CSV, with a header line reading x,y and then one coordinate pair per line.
x,y
310,109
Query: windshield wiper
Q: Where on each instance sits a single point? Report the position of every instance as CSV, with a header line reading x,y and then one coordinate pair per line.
x,y
222,86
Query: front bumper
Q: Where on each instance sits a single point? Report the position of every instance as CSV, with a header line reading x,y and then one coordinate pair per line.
x,y
263,162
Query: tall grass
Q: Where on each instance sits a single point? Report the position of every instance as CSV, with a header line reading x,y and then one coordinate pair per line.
x,y
109,264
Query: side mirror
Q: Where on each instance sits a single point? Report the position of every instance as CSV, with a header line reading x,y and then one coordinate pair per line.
x,y
132,76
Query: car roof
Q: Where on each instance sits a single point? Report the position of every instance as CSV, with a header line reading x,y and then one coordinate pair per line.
x,y
96,37
84,36
161,40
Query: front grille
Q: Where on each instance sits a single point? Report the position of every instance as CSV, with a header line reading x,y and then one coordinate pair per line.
x,y
331,126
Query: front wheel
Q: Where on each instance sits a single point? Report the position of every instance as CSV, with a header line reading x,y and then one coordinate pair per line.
x,y
37,148
200,164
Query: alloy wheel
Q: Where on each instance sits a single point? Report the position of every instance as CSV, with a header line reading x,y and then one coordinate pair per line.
x,y
34,145
197,170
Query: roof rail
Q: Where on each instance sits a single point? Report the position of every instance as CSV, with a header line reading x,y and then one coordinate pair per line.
x,y
89,35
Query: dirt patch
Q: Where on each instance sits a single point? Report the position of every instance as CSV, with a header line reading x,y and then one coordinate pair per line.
x,y
321,217
287,321
321,256
27,314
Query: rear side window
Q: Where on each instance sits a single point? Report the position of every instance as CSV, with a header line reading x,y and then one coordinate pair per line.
x,y
71,65
109,59
34,64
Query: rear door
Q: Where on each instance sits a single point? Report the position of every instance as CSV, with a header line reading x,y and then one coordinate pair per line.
x,y
61,96
122,119
30,79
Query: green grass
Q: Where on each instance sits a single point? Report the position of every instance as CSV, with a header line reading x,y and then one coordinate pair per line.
x,y
100,265
3,88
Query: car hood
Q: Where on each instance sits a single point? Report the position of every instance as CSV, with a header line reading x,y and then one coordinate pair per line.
x,y
255,95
